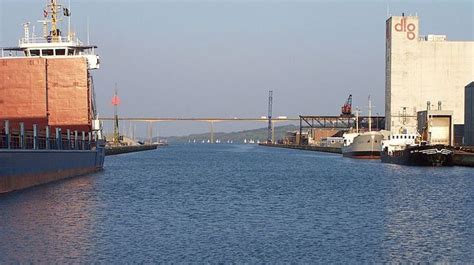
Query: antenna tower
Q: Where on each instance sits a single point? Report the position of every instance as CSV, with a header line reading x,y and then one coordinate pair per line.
x,y
270,128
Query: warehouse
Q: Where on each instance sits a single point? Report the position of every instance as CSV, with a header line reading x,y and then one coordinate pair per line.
x,y
424,72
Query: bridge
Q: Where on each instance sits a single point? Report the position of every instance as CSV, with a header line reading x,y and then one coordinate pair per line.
x,y
210,120
264,119
305,121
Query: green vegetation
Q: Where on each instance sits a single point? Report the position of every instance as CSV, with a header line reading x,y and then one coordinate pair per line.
x,y
236,137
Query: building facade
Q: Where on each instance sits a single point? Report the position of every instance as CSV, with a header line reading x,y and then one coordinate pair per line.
x,y
469,115
423,72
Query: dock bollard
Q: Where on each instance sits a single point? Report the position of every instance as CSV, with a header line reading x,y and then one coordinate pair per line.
x,y
22,135
35,136
47,138
7,133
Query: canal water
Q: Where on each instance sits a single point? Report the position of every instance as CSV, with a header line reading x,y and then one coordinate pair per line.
x,y
244,204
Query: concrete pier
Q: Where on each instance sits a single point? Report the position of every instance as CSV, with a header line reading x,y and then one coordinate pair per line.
x,y
334,150
116,150
465,159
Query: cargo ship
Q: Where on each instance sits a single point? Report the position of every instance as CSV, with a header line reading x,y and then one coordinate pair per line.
x,y
48,119
404,149
430,146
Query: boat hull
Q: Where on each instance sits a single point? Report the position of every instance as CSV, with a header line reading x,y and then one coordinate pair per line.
x,y
364,146
20,169
362,154
429,156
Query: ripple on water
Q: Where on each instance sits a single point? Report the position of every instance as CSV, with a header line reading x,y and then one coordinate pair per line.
x,y
243,203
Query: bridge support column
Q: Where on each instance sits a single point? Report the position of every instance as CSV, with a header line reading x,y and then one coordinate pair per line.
x,y
212,132
273,132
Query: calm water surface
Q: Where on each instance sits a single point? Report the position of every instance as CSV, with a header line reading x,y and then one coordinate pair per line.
x,y
242,203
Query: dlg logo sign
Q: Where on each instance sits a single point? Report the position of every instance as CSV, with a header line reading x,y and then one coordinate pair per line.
x,y
408,28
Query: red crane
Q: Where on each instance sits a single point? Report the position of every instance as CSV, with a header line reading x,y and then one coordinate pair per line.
x,y
346,109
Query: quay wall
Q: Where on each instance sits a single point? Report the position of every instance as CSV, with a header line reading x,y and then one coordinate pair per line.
x,y
334,150
116,150
464,159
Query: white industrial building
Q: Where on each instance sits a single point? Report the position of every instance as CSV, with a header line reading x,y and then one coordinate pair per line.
x,y
422,70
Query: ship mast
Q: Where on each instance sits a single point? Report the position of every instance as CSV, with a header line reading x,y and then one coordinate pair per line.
x,y
370,115
54,21
357,119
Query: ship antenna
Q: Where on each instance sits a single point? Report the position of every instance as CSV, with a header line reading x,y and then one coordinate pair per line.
x,y
88,34
69,22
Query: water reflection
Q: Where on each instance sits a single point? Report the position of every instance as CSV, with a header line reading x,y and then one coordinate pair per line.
x,y
427,215
243,204
55,220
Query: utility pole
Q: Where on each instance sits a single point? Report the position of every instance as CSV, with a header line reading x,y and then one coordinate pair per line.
x,y
270,127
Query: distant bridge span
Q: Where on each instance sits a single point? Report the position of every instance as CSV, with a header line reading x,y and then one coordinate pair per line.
x,y
199,119
305,122
311,121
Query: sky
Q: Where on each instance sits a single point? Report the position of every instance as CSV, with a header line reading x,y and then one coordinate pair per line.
x,y
220,58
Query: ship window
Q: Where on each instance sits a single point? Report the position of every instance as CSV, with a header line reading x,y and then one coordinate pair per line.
x,y
70,52
35,52
60,52
48,52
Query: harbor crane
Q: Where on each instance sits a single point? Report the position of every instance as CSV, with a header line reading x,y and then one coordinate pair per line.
x,y
346,109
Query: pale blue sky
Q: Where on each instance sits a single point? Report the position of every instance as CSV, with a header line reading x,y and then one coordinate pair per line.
x,y
220,58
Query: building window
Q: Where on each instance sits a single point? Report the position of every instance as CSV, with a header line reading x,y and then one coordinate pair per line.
x,y
47,52
35,52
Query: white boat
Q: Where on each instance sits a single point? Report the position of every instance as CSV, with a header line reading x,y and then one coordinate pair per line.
x,y
366,145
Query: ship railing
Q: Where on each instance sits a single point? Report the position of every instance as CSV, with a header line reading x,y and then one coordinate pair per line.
x,y
60,40
35,139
